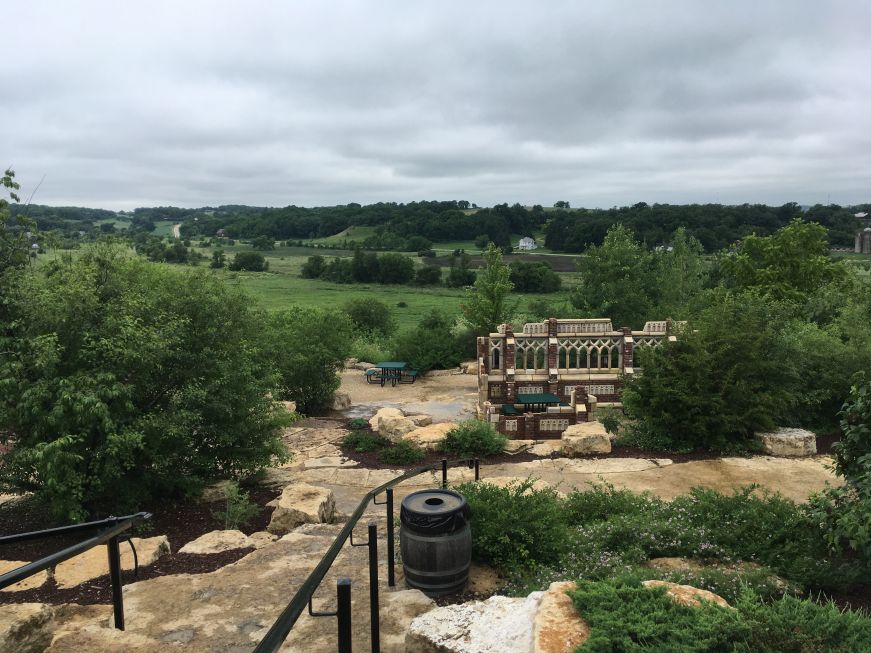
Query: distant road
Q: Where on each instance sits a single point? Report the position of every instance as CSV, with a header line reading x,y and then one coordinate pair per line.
x,y
176,231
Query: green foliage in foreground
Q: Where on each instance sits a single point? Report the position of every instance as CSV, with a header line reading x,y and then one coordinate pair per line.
x,y
122,380
473,438
402,453
845,512
536,537
625,616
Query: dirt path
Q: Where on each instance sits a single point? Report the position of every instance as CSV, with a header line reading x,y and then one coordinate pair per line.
x,y
176,231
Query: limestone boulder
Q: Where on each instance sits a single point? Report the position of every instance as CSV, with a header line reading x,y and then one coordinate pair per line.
x,y
218,542
687,594
301,503
430,436
391,424
341,401
262,538
231,609
497,625
397,610
289,406
788,442
518,446
26,627
584,439
91,637
94,563
363,366
421,420
350,362
558,628
37,580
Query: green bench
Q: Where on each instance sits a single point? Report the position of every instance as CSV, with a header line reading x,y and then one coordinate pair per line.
x,y
373,375
410,374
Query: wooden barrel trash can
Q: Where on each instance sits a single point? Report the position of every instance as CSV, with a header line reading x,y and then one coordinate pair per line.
x,y
436,541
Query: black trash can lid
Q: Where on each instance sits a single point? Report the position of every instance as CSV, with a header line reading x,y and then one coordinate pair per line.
x,y
435,511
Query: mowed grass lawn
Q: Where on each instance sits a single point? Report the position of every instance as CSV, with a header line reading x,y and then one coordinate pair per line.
x,y
283,286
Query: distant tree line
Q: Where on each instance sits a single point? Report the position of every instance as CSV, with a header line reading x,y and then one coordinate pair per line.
x,y
415,226
715,226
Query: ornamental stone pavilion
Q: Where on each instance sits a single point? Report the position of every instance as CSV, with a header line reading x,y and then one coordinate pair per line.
x,y
534,384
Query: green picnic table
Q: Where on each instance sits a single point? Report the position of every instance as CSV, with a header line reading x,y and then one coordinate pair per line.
x,y
391,371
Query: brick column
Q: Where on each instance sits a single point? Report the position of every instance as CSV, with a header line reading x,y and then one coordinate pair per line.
x,y
508,366
484,354
552,356
627,349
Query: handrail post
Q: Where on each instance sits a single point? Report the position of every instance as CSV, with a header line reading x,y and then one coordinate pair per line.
x,y
391,545
343,597
477,469
444,473
115,576
374,608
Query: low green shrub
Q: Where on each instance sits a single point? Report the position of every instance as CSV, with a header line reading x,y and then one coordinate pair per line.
x,y
473,438
358,423
515,527
363,441
238,510
843,512
608,532
402,453
610,421
370,347
625,616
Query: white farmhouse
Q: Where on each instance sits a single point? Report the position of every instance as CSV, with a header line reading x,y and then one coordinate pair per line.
x,y
527,243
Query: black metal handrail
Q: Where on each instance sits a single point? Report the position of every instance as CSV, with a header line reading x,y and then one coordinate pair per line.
x,y
280,629
114,527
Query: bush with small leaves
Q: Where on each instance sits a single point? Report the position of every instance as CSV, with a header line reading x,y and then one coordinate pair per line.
x,y
473,438
402,453
239,508
363,441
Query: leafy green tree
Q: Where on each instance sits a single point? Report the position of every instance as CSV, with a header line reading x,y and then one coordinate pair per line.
x,y
459,274
121,381
679,275
534,277
219,259
482,241
370,315
722,380
789,264
845,512
314,267
486,303
365,266
308,347
249,261
395,268
14,243
432,344
263,243
428,275
617,280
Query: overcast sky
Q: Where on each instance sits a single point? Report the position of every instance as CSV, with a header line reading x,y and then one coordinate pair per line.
x,y
122,104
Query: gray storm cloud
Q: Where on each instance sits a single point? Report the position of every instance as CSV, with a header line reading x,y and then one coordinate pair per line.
x,y
273,103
